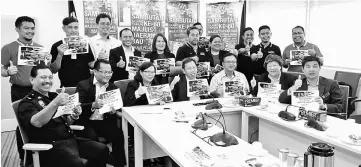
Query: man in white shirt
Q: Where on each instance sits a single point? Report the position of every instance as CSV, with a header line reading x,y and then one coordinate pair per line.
x,y
102,42
228,74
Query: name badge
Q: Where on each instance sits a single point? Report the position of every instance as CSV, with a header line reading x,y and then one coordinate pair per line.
x,y
202,53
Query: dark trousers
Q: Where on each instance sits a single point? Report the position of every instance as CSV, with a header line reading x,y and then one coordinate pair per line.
x,y
72,152
108,129
17,93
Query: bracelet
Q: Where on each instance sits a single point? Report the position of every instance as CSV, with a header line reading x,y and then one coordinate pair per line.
x,y
74,117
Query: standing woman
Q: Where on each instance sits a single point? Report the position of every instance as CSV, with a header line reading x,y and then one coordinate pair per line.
x,y
135,93
215,53
160,50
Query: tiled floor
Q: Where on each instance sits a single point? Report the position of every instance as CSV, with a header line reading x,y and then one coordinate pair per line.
x,y
9,152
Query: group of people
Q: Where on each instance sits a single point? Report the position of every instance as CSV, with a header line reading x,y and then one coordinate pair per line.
x,y
94,72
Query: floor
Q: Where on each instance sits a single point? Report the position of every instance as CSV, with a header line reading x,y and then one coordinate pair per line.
x,y
9,152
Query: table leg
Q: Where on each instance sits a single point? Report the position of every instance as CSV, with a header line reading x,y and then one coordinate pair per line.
x,y
126,144
244,133
138,146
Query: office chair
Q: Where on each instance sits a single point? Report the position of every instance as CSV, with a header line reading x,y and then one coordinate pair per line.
x,y
174,71
35,147
351,79
122,85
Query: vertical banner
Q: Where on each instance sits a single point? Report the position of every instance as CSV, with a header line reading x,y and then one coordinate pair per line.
x,y
180,16
92,9
224,19
147,19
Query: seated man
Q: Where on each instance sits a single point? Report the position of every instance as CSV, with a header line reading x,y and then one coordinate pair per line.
x,y
179,84
330,98
228,74
36,113
104,125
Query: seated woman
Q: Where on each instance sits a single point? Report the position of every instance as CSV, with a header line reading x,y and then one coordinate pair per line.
x,y
273,65
160,50
135,93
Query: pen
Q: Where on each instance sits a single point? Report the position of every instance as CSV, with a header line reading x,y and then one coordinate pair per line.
x,y
182,121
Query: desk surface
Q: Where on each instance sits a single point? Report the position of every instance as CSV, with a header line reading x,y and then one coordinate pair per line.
x,y
176,139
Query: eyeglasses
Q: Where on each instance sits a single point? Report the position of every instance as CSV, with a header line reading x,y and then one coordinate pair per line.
x,y
230,62
105,72
104,24
149,72
44,77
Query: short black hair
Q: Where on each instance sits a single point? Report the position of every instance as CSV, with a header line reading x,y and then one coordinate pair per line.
x,y
198,23
102,15
311,58
186,61
213,37
191,28
125,29
97,63
229,54
263,27
22,19
142,68
34,70
246,29
299,27
68,20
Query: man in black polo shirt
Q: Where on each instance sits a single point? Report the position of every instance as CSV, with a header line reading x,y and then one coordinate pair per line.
x,y
259,53
244,62
190,48
72,68
36,113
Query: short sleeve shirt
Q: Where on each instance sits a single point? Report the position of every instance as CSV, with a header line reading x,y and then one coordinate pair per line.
x,y
10,53
55,129
221,77
186,51
98,44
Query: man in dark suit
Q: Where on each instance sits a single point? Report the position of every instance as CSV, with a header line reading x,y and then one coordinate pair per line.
x,y
104,125
330,97
117,56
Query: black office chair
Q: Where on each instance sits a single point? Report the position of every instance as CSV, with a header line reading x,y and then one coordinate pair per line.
x,y
122,85
174,71
345,97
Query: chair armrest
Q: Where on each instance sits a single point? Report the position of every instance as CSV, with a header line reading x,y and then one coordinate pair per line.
x,y
76,127
354,101
37,147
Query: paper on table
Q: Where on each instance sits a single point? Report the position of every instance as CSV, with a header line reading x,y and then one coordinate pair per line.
x,y
111,98
68,108
303,98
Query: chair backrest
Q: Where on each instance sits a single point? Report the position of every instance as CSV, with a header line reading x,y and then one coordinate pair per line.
x,y
68,90
176,70
122,85
23,133
350,78
345,93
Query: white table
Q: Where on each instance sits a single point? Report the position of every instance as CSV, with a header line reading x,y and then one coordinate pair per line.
x,y
276,133
156,135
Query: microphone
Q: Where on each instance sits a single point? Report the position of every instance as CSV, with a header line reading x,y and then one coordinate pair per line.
x,y
200,124
213,104
223,136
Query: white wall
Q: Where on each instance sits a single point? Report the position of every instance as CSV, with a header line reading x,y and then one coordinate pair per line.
x,y
48,17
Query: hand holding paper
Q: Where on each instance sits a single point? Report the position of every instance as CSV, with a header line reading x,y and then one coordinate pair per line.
x,y
77,110
12,70
69,104
97,104
319,100
62,98
61,49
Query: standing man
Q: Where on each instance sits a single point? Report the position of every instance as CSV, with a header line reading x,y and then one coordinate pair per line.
x,y
259,53
244,61
19,74
72,68
117,56
102,42
203,41
104,125
299,43
190,48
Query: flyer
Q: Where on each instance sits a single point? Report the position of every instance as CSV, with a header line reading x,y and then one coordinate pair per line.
x,y
68,108
296,56
32,56
163,65
218,68
197,87
133,62
203,69
303,98
111,98
156,94
76,45
234,88
268,90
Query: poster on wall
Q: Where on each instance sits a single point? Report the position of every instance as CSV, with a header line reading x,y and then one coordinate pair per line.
x,y
147,19
92,9
180,16
224,19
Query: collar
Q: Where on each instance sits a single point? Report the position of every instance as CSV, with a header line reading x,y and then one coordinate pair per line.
x,y
304,44
317,82
223,74
131,48
23,44
269,45
100,37
95,81
189,45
